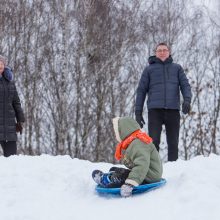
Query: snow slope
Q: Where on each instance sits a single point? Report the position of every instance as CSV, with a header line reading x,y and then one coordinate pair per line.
x,y
60,188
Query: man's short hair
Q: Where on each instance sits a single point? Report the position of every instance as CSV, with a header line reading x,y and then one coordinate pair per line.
x,y
162,44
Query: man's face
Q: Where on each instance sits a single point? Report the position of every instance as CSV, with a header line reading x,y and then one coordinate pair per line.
x,y
162,52
2,67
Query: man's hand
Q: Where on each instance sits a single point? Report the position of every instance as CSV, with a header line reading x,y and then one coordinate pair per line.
x,y
139,118
186,107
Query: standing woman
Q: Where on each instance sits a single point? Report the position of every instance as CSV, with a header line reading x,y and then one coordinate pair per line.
x,y
10,109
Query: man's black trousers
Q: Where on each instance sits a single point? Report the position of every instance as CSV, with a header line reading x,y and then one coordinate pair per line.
x,y
171,119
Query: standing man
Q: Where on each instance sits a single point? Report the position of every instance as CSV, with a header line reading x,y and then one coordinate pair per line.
x,y
162,80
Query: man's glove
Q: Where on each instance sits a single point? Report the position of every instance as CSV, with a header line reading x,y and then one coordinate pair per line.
x,y
126,190
185,107
19,127
139,118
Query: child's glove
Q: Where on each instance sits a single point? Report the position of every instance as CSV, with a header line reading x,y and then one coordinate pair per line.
x,y
126,190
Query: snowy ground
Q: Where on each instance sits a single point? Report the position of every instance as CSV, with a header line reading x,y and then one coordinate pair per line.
x,y
61,188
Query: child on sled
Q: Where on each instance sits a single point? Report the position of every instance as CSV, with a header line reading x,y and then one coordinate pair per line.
x,y
138,154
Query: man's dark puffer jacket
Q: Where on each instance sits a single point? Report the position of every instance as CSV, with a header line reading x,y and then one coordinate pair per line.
x,y
162,82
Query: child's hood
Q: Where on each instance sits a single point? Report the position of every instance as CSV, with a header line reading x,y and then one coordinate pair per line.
x,y
124,126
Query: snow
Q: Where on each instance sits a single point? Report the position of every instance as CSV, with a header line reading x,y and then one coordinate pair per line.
x,y
60,188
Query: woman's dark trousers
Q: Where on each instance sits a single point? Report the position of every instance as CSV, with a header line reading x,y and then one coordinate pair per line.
x,y
9,148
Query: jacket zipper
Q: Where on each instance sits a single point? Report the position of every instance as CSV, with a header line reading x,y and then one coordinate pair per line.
x,y
164,78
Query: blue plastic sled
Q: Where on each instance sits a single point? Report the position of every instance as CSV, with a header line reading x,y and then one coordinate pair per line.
x,y
137,189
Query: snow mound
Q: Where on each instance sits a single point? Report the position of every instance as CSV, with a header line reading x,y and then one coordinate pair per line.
x,y
60,188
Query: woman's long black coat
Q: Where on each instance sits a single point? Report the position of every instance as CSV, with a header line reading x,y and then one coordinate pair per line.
x,y
10,109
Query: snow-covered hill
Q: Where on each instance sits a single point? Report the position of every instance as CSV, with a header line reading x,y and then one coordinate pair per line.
x,y
61,188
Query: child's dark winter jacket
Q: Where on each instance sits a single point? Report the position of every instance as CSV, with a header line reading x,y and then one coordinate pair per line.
x,y
143,159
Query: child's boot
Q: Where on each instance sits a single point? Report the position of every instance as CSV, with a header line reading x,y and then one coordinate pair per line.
x,y
101,178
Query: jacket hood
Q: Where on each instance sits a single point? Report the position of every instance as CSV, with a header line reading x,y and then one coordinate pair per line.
x,y
124,126
8,75
154,59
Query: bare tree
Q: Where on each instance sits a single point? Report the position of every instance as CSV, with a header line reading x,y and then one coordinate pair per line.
x,y
77,65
